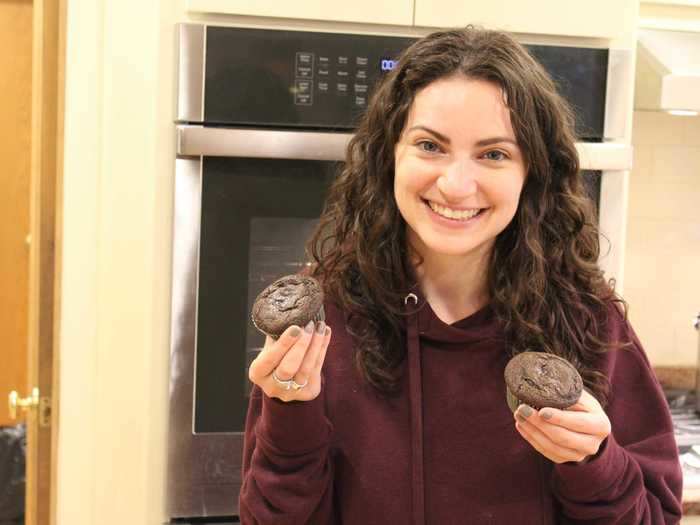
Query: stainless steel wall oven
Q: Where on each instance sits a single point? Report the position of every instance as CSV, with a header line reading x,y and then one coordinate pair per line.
x,y
263,120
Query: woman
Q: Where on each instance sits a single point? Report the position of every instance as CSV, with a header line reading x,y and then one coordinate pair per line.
x,y
457,235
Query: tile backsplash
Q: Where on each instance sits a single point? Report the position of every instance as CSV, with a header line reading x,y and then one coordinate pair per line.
x,y
662,257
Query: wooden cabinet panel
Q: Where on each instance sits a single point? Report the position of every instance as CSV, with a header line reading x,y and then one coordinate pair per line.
x,y
593,18
398,12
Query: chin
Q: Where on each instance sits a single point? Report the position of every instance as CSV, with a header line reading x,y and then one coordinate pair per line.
x,y
450,249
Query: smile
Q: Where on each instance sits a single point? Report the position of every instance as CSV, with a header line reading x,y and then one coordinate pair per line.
x,y
449,213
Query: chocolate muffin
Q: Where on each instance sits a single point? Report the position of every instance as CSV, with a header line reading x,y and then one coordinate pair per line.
x,y
290,300
541,380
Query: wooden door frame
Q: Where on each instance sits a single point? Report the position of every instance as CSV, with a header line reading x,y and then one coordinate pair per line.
x,y
46,178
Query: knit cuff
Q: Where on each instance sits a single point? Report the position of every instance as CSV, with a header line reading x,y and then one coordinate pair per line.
x,y
583,481
294,427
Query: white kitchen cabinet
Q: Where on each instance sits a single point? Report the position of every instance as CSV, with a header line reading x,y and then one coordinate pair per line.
x,y
394,12
592,18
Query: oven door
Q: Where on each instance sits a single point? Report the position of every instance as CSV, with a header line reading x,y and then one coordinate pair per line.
x,y
246,201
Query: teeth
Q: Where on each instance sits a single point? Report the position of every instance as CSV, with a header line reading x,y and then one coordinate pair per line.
x,y
452,214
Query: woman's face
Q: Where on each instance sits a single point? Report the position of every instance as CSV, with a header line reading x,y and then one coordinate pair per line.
x,y
458,169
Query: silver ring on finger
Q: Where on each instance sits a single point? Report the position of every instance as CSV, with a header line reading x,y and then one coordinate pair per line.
x,y
288,384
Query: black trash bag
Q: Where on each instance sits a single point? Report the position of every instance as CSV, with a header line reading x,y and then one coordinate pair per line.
x,y
13,447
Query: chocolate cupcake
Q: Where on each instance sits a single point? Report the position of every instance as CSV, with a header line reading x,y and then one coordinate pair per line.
x,y
541,380
290,300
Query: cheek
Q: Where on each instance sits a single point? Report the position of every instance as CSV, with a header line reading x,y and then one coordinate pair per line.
x,y
408,181
506,197
510,193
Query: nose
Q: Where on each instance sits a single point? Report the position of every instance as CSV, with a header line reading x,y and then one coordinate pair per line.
x,y
458,181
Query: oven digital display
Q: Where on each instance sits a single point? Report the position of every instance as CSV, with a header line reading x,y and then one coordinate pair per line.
x,y
388,64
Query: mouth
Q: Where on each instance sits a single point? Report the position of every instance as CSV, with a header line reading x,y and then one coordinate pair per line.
x,y
452,214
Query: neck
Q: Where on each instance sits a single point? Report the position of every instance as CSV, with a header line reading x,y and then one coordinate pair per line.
x,y
455,287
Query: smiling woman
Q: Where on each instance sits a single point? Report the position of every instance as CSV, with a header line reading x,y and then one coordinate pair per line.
x,y
458,234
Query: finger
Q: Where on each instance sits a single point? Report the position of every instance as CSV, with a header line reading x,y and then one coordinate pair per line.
x,y
595,423
586,442
273,352
290,363
324,348
545,446
308,364
534,443
583,442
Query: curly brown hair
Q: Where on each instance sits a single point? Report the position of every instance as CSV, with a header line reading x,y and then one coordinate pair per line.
x,y
544,281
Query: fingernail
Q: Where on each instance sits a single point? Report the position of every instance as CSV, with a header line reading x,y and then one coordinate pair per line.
x,y
309,327
321,327
525,411
546,414
295,331
328,331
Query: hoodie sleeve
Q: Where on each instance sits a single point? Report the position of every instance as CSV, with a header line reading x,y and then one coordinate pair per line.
x,y
636,475
287,471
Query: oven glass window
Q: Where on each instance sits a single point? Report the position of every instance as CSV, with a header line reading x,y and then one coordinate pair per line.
x,y
256,218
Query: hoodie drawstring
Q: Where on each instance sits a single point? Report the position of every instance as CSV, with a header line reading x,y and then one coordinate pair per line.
x,y
416,401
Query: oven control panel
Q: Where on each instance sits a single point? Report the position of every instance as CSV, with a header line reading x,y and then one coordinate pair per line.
x,y
316,80
340,76
293,78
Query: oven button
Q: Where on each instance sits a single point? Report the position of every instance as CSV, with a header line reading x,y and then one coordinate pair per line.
x,y
304,65
304,72
302,93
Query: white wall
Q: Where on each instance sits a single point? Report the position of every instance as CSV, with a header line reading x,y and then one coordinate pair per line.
x,y
662,269
117,218
663,244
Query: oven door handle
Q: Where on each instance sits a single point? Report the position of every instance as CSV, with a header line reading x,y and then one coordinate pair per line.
x,y
258,143
314,145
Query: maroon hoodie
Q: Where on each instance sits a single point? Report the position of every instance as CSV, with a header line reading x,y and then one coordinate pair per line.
x,y
446,450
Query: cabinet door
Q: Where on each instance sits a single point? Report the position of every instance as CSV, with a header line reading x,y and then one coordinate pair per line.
x,y
592,18
398,12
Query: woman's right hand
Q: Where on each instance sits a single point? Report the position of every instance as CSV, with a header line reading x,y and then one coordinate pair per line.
x,y
298,354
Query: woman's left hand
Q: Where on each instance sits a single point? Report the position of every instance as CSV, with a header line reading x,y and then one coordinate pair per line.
x,y
574,434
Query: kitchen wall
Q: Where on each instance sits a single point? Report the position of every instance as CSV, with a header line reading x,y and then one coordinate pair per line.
x,y
662,259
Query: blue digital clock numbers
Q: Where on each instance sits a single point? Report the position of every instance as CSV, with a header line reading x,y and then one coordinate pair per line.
x,y
387,64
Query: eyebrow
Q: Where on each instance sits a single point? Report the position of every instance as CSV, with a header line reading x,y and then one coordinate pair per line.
x,y
482,142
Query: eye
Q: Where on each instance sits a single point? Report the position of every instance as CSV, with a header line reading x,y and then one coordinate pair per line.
x,y
496,155
428,146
